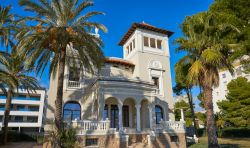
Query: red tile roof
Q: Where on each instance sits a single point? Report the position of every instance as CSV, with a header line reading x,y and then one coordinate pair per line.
x,y
142,26
119,61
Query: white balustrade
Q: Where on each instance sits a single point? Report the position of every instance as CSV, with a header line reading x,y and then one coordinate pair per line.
x,y
171,126
86,125
74,84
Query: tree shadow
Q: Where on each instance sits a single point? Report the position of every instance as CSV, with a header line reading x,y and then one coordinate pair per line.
x,y
229,146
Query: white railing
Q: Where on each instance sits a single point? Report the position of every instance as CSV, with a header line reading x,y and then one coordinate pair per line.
x,y
74,84
171,126
86,125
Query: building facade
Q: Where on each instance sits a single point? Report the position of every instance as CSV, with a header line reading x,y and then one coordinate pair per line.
x,y
130,101
27,111
220,92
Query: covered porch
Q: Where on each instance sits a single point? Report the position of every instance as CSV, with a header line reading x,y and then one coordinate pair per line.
x,y
128,114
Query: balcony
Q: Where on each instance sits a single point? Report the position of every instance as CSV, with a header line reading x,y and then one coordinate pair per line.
x,y
21,98
74,84
86,126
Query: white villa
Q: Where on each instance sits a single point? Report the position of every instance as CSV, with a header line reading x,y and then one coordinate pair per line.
x,y
130,103
220,92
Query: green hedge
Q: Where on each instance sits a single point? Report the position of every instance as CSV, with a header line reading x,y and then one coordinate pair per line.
x,y
228,132
18,137
235,132
201,132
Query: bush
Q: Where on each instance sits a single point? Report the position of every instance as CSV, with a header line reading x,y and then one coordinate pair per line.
x,y
235,132
228,132
201,132
17,137
14,136
68,137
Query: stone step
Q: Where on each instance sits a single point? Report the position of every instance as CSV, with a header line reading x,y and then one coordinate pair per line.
x,y
138,145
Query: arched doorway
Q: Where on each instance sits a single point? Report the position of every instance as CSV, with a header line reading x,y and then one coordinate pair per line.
x,y
158,114
145,114
111,111
71,111
129,113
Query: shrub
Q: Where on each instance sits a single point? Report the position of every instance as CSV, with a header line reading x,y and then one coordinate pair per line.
x,y
235,132
68,137
17,137
201,132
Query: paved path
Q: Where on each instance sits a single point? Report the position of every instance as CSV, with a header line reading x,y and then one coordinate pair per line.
x,y
22,145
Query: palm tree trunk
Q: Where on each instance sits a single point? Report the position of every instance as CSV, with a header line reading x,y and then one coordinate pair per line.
x,y
190,101
211,127
59,96
7,115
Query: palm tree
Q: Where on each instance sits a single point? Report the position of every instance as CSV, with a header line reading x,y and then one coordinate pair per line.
x,y
12,76
182,84
61,28
6,25
207,51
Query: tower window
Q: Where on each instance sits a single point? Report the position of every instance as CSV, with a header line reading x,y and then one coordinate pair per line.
x,y
156,81
152,42
127,49
130,46
74,74
146,41
133,43
159,44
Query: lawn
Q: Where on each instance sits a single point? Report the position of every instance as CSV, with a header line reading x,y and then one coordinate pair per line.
x,y
224,143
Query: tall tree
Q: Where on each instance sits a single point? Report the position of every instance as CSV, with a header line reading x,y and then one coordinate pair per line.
x,y
236,107
13,75
236,12
207,52
182,84
62,31
6,26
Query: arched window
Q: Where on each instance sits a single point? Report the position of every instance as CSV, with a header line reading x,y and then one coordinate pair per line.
x,y
72,111
158,114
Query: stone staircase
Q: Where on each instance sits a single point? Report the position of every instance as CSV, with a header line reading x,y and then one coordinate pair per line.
x,y
138,141
139,145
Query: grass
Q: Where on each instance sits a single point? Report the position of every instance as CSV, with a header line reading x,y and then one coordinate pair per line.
x,y
224,143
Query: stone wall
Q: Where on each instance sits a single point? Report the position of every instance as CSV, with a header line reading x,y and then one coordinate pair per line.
x,y
105,141
161,140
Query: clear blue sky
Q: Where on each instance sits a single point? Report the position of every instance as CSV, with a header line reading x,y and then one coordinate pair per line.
x,y
120,14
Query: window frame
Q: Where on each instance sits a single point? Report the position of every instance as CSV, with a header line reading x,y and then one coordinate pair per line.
x,y
72,111
146,40
157,41
152,41
157,121
158,81
76,71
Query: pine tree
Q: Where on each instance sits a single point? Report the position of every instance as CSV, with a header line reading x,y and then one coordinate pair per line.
x,y
236,107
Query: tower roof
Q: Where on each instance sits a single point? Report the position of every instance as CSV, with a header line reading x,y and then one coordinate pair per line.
x,y
145,26
118,61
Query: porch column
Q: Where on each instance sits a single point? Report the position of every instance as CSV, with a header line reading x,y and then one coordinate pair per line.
x,y
182,115
120,116
101,103
150,116
138,117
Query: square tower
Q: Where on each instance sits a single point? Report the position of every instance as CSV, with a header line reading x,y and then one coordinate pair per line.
x,y
147,47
